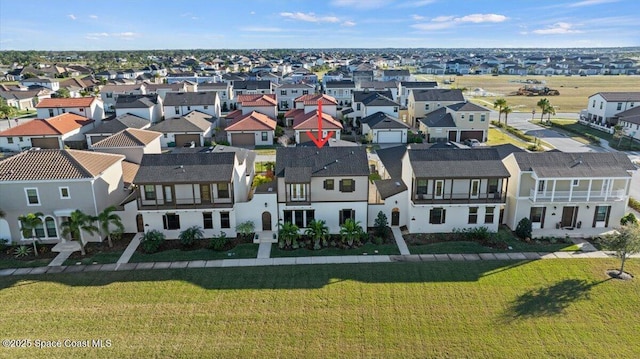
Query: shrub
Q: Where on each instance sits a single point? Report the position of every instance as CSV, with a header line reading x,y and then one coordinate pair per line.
x,y
524,230
634,203
152,240
279,131
190,235
223,143
629,218
259,179
535,148
381,224
4,243
218,243
246,229
22,251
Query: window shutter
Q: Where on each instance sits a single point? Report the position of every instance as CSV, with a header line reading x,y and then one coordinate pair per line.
x,y
324,184
444,212
178,220
606,218
431,216
341,186
165,221
353,185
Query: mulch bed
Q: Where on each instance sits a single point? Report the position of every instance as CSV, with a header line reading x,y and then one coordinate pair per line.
x,y
93,248
44,252
172,244
615,274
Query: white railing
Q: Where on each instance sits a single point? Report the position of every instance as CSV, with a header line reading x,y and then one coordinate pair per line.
x,y
596,126
576,196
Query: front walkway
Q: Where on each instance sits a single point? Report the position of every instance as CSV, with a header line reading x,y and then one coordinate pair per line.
x,y
264,250
402,245
131,249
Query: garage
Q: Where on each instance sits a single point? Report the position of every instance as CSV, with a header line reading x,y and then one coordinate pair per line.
x,y
389,136
453,136
304,137
46,142
187,138
243,139
478,135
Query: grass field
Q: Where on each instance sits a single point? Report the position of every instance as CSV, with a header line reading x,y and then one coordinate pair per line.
x,y
484,309
574,90
497,137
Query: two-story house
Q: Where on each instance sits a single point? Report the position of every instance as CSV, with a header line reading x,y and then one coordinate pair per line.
x,y
51,84
252,129
567,191
287,93
603,106
396,75
180,190
342,91
376,102
115,125
148,107
265,104
224,90
328,183
630,122
90,107
52,133
457,122
181,103
131,143
192,129
109,93
380,86
252,87
404,87
422,102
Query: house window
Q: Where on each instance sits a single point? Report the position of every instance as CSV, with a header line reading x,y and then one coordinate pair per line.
x,y
310,216
395,109
165,135
492,185
601,105
347,185
426,107
328,184
473,215
619,107
109,95
64,193
488,214
475,188
9,140
437,215
283,92
305,92
224,220
421,187
594,104
536,214
177,110
20,139
300,218
602,214
439,188
32,196
39,228
206,107
345,214
575,183
207,220
50,112
483,118
82,110
470,118
541,185
358,106
223,190
149,192
265,136
171,221
298,192
462,117
50,226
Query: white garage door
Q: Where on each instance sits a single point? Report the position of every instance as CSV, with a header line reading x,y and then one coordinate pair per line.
x,y
390,137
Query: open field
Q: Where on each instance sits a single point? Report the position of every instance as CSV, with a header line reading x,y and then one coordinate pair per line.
x,y
483,309
497,137
574,90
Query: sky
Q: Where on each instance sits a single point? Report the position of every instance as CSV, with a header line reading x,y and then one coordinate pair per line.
x,y
261,24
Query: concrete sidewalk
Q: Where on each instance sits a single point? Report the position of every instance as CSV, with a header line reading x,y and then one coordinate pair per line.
x,y
402,245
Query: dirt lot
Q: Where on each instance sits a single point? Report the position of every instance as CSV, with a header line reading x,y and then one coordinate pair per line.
x,y
574,90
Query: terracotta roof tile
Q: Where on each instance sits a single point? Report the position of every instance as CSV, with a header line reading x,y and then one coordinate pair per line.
x,y
36,127
66,102
129,171
254,121
309,121
233,114
293,113
68,122
253,100
312,99
130,137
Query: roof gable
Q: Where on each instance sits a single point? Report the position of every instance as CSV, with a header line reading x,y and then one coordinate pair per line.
x,y
254,121
321,162
66,102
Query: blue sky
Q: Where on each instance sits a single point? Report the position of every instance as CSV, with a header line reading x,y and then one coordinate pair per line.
x,y
122,25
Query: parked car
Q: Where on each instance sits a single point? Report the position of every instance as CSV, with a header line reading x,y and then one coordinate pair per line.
x,y
471,142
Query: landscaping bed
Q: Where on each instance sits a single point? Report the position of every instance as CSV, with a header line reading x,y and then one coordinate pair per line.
x,y
173,250
100,252
9,258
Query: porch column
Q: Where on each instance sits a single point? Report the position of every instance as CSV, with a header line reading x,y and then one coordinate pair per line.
x,y
589,190
570,190
535,191
553,191
193,193
608,189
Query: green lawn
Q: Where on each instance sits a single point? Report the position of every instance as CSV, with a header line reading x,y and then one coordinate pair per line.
x,y
368,248
246,250
497,137
474,247
16,263
483,309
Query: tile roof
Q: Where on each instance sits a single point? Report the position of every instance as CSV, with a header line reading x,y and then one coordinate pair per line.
x,y
194,121
233,114
129,171
439,118
438,95
190,98
293,113
321,162
254,121
198,167
68,122
257,100
312,99
130,137
119,123
457,163
56,125
66,102
42,165
619,96
136,101
309,121
575,165
381,120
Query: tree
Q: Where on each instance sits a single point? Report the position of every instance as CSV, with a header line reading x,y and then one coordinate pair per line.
x,y
64,92
626,242
381,224
350,231
506,110
29,223
6,111
260,179
499,103
544,105
107,219
288,235
524,228
77,223
246,229
618,132
318,231
550,110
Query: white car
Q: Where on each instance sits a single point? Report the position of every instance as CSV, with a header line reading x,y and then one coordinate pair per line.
x,y
472,142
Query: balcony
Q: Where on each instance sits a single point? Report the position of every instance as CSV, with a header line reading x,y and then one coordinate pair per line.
x,y
458,198
184,203
576,196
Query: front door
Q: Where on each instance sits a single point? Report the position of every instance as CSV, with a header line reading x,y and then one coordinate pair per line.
x,y
568,216
395,217
140,223
205,193
266,221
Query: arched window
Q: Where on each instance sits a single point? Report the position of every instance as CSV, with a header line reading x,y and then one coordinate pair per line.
x,y
50,225
39,230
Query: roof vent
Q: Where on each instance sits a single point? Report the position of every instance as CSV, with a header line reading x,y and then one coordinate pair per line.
x,y
397,184
336,160
325,167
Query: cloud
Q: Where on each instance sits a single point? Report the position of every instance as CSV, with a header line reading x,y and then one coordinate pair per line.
x,y
71,16
446,22
417,17
558,28
480,18
252,13
309,17
442,18
93,16
361,4
261,29
348,23
103,35
433,26
591,2
412,4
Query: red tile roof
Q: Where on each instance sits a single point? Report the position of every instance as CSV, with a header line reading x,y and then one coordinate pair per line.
x,y
309,121
68,122
312,99
253,100
233,114
254,121
56,125
293,113
66,102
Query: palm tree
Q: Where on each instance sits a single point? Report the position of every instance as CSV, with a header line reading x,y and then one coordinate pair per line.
x,y
29,223
499,103
288,234
350,231
550,111
543,104
506,110
318,231
75,224
107,219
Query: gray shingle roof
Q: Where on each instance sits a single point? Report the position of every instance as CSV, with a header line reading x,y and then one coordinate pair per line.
x,y
377,99
185,168
194,121
325,161
391,158
389,187
119,123
252,85
340,84
361,96
457,163
575,165
620,96
439,118
418,84
381,120
136,101
438,95
190,98
467,106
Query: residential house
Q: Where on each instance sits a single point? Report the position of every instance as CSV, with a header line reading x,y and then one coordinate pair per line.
x,y
630,122
180,190
381,127
395,75
357,105
163,89
376,102
148,107
53,133
305,125
458,66
287,93
362,76
432,69
604,106
224,90
192,129
90,107
251,129
404,87
51,84
421,102
252,87
25,100
574,191
457,122
131,143
109,93
181,103
265,104
328,183
342,91
115,125
56,183
381,86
